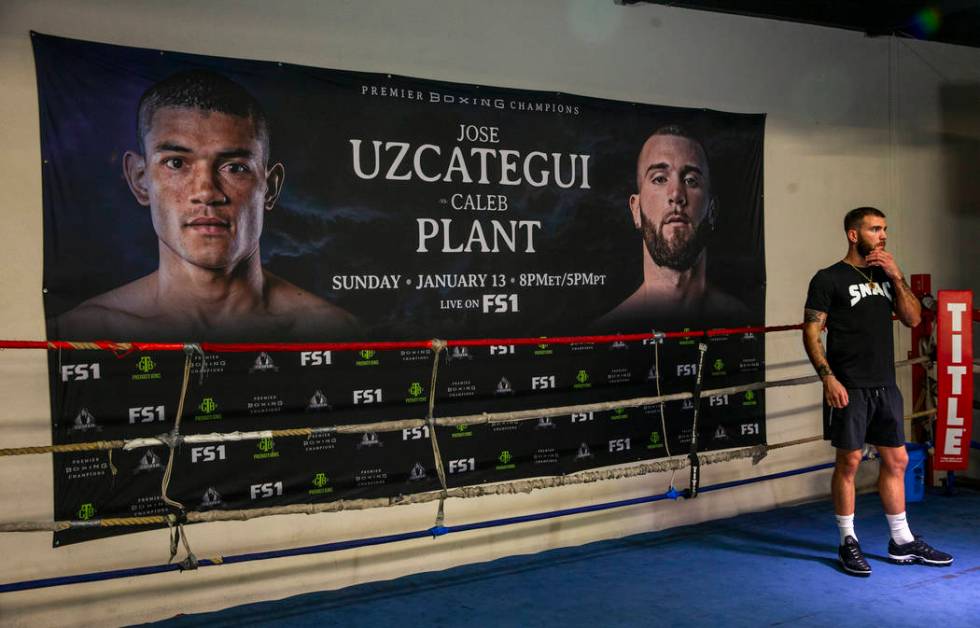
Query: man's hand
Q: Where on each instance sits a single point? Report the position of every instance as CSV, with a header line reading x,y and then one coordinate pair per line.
x,y
907,305
884,260
834,392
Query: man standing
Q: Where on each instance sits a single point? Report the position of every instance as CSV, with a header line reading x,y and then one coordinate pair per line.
x,y
675,210
204,171
854,298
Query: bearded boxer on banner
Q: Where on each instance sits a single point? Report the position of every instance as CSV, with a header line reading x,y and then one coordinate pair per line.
x,y
675,211
203,169
855,298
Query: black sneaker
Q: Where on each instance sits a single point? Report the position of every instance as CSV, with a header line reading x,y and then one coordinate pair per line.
x,y
852,559
918,551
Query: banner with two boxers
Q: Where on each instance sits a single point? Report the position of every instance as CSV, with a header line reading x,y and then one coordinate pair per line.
x,y
191,198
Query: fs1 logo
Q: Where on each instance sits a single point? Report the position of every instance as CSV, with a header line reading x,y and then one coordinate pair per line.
x,y
717,400
146,414
542,382
416,433
315,358
619,444
687,370
369,395
749,429
499,303
80,372
502,350
266,490
582,417
462,465
208,453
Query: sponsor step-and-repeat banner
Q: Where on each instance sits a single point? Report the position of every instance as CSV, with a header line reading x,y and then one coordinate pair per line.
x,y
191,198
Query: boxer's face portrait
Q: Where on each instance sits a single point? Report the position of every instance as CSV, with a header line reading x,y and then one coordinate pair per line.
x,y
871,235
673,203
205,180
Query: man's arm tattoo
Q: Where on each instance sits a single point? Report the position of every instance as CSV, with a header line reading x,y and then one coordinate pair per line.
x,y
907,305
814,316
820,361
903,286
812,342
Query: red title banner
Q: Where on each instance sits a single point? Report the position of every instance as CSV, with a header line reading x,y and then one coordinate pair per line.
x,y
954,368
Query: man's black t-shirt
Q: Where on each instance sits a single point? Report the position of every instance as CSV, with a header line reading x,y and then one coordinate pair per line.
x,y
860,348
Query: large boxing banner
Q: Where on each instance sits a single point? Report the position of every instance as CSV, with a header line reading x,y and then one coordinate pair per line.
x,y
191,198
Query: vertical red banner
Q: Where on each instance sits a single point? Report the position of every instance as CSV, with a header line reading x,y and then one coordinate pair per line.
x,y
954,369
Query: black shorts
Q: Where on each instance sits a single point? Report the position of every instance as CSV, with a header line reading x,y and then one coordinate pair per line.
x,y
872,415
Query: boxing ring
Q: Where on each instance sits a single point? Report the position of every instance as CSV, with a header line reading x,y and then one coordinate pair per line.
x,y
691,460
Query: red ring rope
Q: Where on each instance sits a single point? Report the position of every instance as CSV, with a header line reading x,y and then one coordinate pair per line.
x,y
224,347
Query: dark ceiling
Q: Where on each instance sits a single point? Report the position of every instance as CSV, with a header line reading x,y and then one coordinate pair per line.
x,y
949,21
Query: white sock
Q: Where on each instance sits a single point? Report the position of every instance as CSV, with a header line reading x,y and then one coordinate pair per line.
x,y
845,524
900,528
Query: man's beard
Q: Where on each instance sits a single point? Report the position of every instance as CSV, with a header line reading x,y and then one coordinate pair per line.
x,y
864,247
679,252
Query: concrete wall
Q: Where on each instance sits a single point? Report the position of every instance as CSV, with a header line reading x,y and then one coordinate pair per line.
x,y
852,121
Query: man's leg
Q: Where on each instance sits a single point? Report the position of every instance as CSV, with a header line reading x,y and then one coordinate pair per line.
x,y
891,478
842,489
842,482
847,431
887,432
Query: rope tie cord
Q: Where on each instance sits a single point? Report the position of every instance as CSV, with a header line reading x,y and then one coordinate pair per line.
x,y
663,415
171,442
195,349
437,347
693,456
176,527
